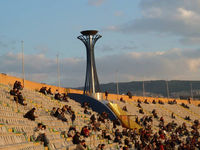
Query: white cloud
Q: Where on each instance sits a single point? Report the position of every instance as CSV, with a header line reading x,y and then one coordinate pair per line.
x,y
171,64
180,18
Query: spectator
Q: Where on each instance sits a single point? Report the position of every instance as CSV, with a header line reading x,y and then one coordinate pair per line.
x,y
65,98
17,85
43,90
172,116
145,101
105,135
39,134
72,131
73,117
154,102
124,108
21,99
30,114
141,111
85,131
93,118
58,96
87,112
129,94
53,111
49,91
81,146
121,100
117,140
106,95
14,92
76,138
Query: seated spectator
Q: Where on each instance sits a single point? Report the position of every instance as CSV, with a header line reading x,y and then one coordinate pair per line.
x,y
53,111
58,111
81,145
93,118
124,108
43,90
105,135
96,125
145,101
104,115
62,117
58,96
121,100
85,105
98,147
87,112
69,110
30,114
172,116
85,131
76,138
162,119
116,123
118,133
64,108
14,92
127,143
185,106
124,132
154,102
65,98
17,85
141,111
102,146
187,118
160,102
139,106
71,132
21,99
49,91
139,101
137,120
117,140
155,115
39,134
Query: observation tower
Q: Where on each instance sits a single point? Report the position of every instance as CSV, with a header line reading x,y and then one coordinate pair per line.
x,y
89,38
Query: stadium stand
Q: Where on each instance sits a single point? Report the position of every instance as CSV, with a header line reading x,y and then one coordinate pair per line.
x,y
59,132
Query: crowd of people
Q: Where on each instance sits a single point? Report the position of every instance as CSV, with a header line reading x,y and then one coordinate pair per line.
x,y
169,136
57,95
17,94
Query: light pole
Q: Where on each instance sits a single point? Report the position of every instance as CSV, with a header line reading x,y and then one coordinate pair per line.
x,y
117,84
167,88
191,90
58,71
23,73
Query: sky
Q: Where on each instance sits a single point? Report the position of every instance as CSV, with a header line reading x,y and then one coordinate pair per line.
x,y
141,39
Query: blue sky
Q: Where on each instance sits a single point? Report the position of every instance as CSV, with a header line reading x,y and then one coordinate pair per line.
x,y
142,39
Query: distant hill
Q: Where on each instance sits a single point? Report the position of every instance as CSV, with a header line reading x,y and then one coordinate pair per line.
x,y
177,88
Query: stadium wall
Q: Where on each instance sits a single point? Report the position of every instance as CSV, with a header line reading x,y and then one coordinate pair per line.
x,y
10,80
